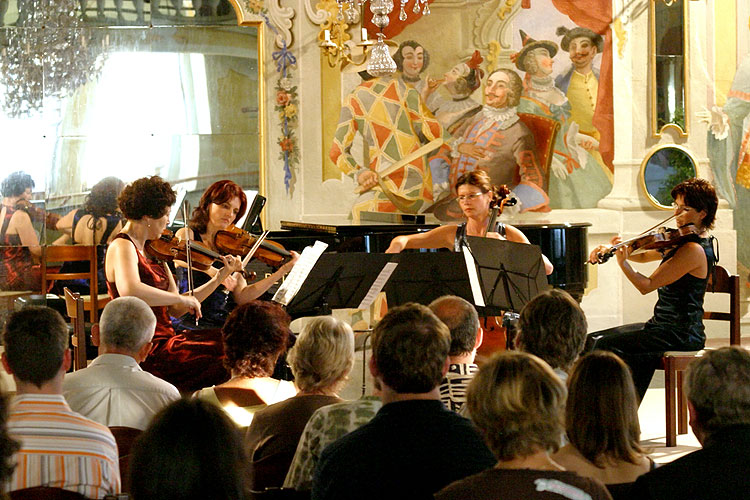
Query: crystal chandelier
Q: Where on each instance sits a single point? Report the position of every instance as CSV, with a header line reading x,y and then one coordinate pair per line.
x,y
49,53
336,35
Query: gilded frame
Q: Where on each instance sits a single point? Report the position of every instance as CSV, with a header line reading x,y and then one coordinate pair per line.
x,y
656,131
642,172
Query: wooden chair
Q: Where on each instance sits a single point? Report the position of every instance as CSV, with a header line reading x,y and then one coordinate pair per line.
x,y
125,438
75,253
45,493
545,132
674,363
74,308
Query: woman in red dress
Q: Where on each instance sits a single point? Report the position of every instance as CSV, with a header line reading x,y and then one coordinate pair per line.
x,y
19,243
188,360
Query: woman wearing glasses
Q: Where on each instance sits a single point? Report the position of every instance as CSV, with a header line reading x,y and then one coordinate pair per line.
x,y
476,195
680,280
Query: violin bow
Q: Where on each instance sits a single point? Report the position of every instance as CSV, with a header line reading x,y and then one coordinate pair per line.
x,y
658,224
188,252
254,248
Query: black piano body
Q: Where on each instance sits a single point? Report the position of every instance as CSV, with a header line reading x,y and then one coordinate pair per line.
x,y
565,244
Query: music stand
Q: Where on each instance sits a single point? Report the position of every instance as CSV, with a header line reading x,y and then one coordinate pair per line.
x,y
337,281
510,273
422,277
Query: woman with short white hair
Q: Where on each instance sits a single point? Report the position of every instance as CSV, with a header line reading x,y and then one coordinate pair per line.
x,y
321,360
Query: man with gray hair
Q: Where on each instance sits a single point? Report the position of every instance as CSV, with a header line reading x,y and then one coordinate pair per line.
x,y
113,390
718,392
463,322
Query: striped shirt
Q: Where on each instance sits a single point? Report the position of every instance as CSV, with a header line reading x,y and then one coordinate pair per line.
x,y
453,387
60,448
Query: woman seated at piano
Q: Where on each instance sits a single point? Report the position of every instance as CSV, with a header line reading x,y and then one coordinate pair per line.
x,y
189,360
220,207
97,223
476,196
19,243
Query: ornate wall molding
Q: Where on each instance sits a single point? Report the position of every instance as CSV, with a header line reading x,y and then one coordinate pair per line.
x,y
270,12
493,22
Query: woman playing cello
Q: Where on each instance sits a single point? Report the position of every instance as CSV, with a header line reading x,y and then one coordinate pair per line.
x,y
680,280
189,361
222,205
476,195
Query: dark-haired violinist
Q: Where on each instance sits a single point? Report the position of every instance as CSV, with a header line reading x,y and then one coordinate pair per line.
x,y
19,243
680,279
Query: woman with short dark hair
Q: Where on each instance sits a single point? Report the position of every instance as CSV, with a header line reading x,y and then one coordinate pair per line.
x,y
19,243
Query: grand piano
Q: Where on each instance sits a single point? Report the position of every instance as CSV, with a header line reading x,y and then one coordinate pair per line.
x,y
565,244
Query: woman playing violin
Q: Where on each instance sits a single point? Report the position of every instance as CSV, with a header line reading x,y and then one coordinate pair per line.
x,y
221,206
97,223
187,360
476,195
19,243
680,280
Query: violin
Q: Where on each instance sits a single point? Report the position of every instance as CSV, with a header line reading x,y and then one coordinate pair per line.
x,y
38,214
237,241
168,247
657,239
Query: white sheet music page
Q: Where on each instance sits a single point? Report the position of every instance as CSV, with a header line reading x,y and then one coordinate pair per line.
x,y
471,268
377,285
299,273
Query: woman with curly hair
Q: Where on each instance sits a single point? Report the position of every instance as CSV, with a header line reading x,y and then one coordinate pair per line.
x,y
255,335
97,223
19,243
188,360
222,205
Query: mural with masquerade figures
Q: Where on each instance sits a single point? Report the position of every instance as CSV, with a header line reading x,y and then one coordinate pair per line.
x,y
531,104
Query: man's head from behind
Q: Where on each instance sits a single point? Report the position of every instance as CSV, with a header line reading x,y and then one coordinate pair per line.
x,y
409,349
553,327
718,390
126,327
36,345
462,320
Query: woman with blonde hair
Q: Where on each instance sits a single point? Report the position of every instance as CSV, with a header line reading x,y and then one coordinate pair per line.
x,y
602,422
517,402
320,360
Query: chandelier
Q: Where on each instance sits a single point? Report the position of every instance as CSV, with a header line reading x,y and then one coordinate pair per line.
x,y
336,37
49,53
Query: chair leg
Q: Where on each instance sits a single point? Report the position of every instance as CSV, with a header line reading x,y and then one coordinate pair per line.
x,y
669,392
681,405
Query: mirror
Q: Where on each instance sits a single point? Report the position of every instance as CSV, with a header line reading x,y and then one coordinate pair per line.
x,y
663,168
669,72
130,93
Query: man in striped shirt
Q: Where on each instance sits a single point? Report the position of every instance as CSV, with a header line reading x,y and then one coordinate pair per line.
x,y
59,448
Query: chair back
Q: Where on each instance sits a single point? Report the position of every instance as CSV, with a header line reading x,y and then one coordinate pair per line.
x,y
723,282
73,253
74,308
125,438
545,133
45,493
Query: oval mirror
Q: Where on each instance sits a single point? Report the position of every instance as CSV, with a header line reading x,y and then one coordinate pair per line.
x,y
663,168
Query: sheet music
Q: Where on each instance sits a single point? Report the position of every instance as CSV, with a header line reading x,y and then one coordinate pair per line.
x,y
377,285
299,273
471,269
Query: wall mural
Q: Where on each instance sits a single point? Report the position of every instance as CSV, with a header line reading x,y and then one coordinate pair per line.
x,y
524,107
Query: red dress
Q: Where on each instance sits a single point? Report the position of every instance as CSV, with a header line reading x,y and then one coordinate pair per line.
x,y
17,268
188,360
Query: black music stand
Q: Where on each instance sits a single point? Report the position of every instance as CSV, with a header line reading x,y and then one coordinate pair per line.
x,y
337,281
424,276
510,273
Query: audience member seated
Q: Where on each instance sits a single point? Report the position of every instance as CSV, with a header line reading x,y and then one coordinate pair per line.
x,y
517,402
414,446
463,322
59,448
326,425
255,335
601,419
320,360
191,450
113,390
553,327
8,446
718,392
